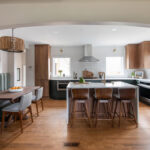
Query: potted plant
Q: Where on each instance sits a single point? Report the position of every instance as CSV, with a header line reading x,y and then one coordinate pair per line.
x,y
60,72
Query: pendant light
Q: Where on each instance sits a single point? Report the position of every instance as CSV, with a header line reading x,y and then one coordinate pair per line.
x,y
11,43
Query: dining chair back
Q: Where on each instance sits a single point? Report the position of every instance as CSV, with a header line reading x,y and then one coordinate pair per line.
x,y
38,98
39,93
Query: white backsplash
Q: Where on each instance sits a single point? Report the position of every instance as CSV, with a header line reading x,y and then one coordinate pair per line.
x,y
100,52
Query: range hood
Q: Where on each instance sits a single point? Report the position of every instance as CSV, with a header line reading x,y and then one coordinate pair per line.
x,y
88,54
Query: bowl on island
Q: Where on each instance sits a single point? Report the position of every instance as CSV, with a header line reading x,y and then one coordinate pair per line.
x,y
15,89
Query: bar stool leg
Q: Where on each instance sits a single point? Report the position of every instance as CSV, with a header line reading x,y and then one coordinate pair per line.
x,y
110,112
3,121
96,114
72,113
133,113
115,111
120,113
86,112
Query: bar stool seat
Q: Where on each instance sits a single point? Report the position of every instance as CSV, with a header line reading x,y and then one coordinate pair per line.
x,y
81,97
103,96
125,98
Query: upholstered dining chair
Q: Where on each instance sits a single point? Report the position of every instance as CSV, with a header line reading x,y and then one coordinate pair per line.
x,y
38,98
18,108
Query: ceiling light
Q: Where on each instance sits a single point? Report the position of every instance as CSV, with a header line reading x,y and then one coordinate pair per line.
x,y
11,43
114,29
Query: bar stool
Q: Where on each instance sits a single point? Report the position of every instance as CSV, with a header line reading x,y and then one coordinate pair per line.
x,y
103,96
125,98
81,97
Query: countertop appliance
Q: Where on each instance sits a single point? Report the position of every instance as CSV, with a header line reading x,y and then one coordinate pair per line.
x,y
144,91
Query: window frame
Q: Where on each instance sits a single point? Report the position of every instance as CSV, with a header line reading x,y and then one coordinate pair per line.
x,y
53,71
122,69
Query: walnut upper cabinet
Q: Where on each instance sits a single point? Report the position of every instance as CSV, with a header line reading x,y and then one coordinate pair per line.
x,y
131,56
138,55
145,54
42,67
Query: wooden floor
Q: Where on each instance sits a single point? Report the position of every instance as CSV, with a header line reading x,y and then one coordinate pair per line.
x,y
49,132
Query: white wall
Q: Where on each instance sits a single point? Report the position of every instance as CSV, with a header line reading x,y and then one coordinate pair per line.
x,y
30,66
3,62
75,53
100,52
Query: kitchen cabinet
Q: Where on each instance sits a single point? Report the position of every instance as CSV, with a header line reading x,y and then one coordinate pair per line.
x,y
42,67
132,56
145,55
138,55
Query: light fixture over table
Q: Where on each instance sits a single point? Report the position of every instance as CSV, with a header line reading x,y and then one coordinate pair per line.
x,y
11,43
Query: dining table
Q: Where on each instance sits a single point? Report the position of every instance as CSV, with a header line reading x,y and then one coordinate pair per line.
x,y
12,96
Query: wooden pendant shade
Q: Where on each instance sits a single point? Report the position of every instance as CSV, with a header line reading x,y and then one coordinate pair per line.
x,y
7,44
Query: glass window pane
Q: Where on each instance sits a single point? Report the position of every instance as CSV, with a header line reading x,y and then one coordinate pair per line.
x,y
61,66
114,66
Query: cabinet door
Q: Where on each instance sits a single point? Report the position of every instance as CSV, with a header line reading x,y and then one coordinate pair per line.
x,y
131,56
140,56
42,61
146,53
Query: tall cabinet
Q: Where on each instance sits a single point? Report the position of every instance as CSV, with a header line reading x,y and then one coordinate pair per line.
x,y
42,67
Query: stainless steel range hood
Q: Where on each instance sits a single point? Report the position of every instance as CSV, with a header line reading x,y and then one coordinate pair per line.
x,y
88,54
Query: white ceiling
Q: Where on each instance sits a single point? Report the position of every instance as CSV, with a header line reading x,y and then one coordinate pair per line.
x,y
66,35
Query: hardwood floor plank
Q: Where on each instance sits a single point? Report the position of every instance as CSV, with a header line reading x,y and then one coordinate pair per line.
x,y
50,131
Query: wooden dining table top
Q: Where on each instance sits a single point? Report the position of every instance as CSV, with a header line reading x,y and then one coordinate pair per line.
x,y
6,95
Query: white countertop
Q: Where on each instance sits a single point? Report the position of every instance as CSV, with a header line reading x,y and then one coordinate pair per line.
x,y
141,80
65,78
91,85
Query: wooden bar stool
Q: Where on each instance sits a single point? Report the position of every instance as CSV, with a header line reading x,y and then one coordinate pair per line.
x,y
103,96
125,99
81,97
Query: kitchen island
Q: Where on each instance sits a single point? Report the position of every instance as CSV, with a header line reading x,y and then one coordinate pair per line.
x,y
92,86
58,85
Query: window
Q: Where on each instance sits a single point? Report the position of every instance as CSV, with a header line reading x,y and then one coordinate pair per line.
x,y
61,67
114,66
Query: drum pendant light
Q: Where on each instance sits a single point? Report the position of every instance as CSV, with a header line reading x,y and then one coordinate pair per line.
x,y
12,44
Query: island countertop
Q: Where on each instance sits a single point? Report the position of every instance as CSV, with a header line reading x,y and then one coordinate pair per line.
x,y
73,85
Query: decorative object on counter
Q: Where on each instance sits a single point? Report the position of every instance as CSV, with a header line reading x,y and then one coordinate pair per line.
x,y
12,44
139,74
61,50
63,75
87,74
60,72
114,50
81,80
133,74
102,76
75,75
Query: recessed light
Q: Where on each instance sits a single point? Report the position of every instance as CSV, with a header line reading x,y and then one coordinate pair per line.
x,y
114,29
56,32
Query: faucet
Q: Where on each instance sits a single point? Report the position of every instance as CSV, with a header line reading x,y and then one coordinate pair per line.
x,y
102,76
